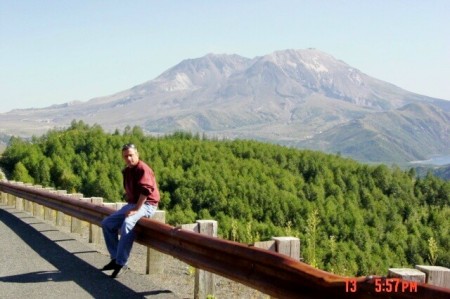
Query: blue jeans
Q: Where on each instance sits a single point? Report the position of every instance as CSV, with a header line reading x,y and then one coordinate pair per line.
x,y
119,249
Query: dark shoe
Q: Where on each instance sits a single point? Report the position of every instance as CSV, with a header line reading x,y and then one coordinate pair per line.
x,y
111,266
119,270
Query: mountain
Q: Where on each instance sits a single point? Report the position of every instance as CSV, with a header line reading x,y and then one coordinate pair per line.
x,y
303,98
414,130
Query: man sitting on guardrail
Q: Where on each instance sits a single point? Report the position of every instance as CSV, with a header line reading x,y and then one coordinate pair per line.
x,y
142,196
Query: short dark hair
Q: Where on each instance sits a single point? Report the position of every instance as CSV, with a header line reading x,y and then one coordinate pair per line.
x,y
128,146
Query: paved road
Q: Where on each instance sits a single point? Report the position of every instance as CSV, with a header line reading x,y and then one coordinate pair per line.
x,y
39,261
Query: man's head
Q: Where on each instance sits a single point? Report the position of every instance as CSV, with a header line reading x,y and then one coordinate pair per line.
x,y
130,154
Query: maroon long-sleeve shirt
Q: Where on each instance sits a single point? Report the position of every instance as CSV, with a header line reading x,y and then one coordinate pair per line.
x,y
138,180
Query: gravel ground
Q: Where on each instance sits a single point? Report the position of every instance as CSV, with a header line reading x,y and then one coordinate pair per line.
x,y
177,276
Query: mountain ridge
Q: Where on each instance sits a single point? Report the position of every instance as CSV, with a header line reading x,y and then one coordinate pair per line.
x,y
293,97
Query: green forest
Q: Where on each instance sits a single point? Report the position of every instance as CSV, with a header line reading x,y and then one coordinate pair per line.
x,y
351,218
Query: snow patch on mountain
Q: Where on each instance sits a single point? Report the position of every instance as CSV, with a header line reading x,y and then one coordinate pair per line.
x,y
180,82
315,65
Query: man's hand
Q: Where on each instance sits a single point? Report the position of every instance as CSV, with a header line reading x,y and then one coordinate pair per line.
x,y
130,212
139,204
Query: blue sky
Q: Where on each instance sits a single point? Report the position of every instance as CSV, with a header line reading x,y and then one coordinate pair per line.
x,y
53,52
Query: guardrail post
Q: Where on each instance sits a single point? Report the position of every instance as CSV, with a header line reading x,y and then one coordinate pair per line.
x,y
204,280
95,233
120,205
27,204
155,259
4,197
111,205
11,199
19,201
85,227
436,275
289,246
60,216
407,274
267,245
38,210
49,214
75,223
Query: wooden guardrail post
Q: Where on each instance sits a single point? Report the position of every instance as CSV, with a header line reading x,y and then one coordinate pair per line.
x,y
49,214
115,205
155,259
75,223
289,246
28,205
436,275
204,280
95,233
11,199
37,209
60,216
407,274
18,202
267,245
4,198
85,227
111,205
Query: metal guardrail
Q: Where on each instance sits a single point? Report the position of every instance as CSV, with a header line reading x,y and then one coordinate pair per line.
x,y
271,273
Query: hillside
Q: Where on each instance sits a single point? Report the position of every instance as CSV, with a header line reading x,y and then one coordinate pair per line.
x,y
305,98
401,134
352,218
